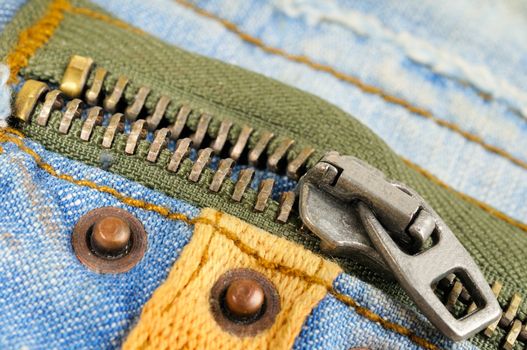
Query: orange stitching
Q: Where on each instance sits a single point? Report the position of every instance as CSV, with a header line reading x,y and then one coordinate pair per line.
x,y
487,208
165,212
105,18
369,89
35,36
32,38
484,206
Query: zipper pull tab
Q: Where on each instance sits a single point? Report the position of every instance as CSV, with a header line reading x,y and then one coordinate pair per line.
x,y
356,211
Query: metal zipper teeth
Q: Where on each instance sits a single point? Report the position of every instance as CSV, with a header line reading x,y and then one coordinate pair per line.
x,y
282,157
53,101
454,291
514,328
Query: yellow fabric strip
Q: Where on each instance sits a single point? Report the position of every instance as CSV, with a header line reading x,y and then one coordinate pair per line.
x,y
14,136
178,315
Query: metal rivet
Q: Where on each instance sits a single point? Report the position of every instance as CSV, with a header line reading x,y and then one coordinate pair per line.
x,y
110,236
244,302
109,240
244,298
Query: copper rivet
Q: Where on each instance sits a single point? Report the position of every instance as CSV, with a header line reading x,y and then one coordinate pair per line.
x,y
110,235
244,297
244,302
109,240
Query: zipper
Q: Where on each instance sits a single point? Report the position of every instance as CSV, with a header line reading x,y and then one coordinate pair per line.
x,y
349,205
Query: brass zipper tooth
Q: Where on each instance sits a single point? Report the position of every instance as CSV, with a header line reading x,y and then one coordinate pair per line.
x,y
201,162
114,126
52,102
496,289
73,110
181,121
512,335
241,142
453,296
95,117
111,101
278,154
201,130
472,307
160,142
93,93
159,112
181,152
137,132
132,112
224,170
244,179
28,97
259,148
508,316
221,138
287,201
264,192
76,75
293,168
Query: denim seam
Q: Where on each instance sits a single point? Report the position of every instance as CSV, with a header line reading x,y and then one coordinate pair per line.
x,y
437,60
274,265
482,205
31,39
364,87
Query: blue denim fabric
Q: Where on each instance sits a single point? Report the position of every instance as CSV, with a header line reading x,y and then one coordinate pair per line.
x,y
5,96
334,326
48,299
8,9
479,36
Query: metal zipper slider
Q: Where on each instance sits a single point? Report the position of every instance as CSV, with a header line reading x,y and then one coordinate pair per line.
x,y
357,212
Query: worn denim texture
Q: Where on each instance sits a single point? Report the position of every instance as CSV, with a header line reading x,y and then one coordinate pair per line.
x,y
487,37
48,299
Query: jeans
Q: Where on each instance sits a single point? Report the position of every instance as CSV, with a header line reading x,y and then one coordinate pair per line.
x,y
48,299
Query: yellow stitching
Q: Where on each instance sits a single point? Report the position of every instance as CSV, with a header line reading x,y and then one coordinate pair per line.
x,y
33,37
369,89
195,273
487,208
163,211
